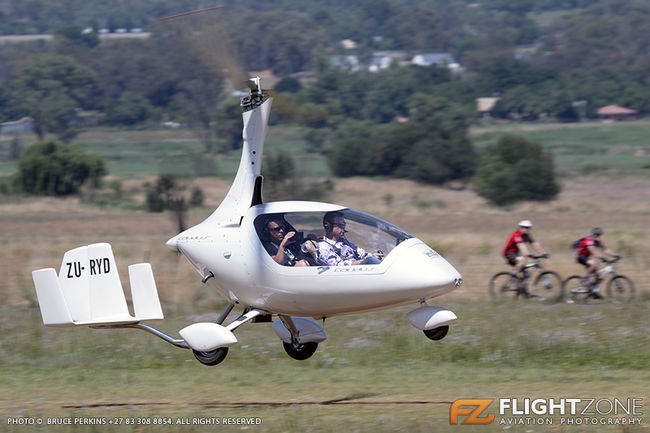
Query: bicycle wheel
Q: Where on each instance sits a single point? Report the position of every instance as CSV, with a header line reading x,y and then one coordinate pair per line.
x,y
549,287
575,289
503,286
620,289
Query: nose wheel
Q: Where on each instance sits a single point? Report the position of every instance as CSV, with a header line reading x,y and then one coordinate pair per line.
x,y
436,333
300,351
213,357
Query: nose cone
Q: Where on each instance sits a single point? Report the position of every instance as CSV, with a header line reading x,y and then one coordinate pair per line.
x,y
423,268
173,243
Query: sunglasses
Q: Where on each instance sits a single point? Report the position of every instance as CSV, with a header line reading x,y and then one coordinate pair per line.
x,y
276,229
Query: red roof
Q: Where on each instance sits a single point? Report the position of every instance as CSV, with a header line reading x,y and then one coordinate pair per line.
x,y
614,110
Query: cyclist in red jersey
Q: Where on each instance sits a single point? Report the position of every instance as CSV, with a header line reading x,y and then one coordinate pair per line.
x,y
515,250
586,254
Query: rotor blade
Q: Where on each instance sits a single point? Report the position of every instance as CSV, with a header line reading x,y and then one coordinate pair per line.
x,y
196,11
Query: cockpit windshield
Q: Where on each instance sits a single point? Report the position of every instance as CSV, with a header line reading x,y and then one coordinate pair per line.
x,y
345,237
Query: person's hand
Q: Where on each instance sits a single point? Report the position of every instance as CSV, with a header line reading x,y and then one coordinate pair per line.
x,y
287,238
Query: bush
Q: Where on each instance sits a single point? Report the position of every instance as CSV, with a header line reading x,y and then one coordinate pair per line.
x,y
515,169
55,168
415,150
130,109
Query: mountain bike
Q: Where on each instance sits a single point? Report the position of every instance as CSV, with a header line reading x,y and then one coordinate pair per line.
x,y
619,288
546,285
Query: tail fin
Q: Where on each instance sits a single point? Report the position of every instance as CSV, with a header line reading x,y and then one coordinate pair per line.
x,y
146,305
88,290
54,310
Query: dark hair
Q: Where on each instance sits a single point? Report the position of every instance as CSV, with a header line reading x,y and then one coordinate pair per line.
x,y
596,231
328,219
277,218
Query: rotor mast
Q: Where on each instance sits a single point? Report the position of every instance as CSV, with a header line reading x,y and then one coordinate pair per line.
x,y
246,189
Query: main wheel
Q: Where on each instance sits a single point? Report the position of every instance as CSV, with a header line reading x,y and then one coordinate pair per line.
x,y
212,357
300,351
548,286
503,286
436,333
620,289
575,290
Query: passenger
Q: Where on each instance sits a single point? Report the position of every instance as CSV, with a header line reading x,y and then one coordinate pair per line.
x,y
335,250
279,244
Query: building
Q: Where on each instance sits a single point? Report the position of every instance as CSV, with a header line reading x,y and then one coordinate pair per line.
x,y
17,126
485,105
349,63
615,112
435,59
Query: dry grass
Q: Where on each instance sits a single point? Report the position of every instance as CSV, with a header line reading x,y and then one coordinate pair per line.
x,y
469,232
397,381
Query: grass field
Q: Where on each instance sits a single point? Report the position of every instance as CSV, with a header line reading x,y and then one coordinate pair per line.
x,y
375,373
581,147
591,146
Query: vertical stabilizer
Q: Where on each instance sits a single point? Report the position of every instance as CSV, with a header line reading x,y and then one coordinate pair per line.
x,y
54,310
91,285
146,304
106,293
75,283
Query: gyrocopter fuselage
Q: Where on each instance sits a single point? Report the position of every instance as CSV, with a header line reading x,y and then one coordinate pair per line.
x,y
229,251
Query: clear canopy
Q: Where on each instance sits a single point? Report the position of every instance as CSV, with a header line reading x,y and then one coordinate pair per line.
x,y
372,234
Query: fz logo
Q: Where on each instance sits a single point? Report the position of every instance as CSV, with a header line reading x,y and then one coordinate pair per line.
x,y
472,408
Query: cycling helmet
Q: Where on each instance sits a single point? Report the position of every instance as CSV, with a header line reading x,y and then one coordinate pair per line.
x,y
525,223
596,231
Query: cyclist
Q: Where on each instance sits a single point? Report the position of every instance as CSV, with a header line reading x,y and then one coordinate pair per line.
x,y
586,254
515,250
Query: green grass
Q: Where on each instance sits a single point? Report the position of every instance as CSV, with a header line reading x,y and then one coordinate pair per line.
x,y
134,153
374,373
618,145
581,148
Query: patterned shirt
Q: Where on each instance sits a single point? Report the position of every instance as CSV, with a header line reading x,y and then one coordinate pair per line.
x,y
341,253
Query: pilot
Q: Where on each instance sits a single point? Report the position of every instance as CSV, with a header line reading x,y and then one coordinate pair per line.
x,y
335,250
279,244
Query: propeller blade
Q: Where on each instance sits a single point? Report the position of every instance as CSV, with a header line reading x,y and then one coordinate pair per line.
x,y
196,11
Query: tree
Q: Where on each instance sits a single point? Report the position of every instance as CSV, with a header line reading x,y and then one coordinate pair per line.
x,y
514,169
55,168
169,193
130,109
228,125
49,89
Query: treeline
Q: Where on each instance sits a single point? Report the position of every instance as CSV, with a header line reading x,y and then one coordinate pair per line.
x,y
595,54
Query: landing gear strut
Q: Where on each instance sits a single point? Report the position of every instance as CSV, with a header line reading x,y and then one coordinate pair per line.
x,y
300,336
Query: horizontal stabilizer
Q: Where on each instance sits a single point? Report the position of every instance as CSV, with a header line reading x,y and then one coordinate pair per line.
x,y
88,290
